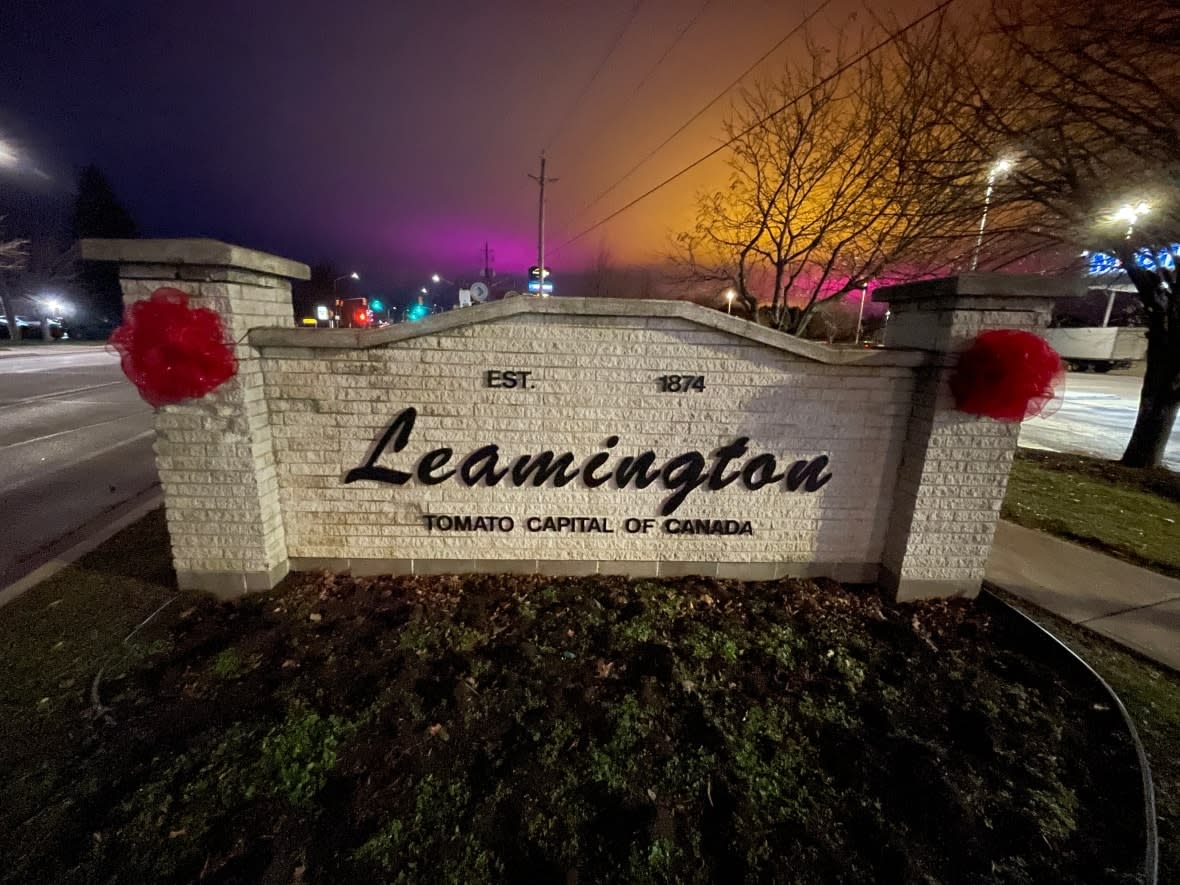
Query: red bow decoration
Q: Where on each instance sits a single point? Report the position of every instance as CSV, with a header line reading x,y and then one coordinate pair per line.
x,y
172,352
1006,374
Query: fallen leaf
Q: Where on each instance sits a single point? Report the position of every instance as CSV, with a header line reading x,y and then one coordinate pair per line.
x,y
315,617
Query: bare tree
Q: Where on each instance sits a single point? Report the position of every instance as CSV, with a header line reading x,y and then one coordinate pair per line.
x,y
599,279
1084,96
838,176
47,267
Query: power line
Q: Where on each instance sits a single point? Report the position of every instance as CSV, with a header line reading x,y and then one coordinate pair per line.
x,y
573,106
697,162
680,35
671,46
720,95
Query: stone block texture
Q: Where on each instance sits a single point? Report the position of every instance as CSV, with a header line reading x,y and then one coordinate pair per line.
x,y
591,377
253,474
215,456
954,466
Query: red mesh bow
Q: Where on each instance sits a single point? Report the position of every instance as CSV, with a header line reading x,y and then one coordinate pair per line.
x,y
171,351
1006,374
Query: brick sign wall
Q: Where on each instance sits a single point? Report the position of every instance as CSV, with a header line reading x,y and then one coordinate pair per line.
x,y
572,436
804,486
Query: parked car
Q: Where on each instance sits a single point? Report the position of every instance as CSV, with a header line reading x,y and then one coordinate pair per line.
x,y
98,329
30,327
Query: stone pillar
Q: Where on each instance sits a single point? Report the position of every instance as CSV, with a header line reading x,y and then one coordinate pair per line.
x,y
214,455
954,468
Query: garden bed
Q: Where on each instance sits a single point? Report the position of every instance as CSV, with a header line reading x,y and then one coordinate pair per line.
x,y
580,730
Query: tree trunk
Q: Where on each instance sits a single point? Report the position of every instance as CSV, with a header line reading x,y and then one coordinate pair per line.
x,y
1160,395
1158,405
9,314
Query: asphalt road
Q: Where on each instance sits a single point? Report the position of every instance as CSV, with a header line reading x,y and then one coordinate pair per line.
x,y
1095,417
75,449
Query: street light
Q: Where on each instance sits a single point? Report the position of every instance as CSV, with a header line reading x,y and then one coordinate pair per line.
x,y
423,291
1131,214
1001,167
350,276
9,156
729,296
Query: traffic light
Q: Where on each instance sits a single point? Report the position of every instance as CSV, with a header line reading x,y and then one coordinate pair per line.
x,y
377,305
417,312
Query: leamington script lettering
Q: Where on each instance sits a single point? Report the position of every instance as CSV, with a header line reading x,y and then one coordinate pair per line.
x,y
681,474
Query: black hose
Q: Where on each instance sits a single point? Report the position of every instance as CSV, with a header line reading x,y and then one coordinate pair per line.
x,y
1046,638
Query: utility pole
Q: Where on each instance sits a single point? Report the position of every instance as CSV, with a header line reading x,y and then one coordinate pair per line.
x,y
541,180
487,261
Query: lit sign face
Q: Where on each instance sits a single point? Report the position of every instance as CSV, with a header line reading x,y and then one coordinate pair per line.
x,y
321,313
535,277
1103,263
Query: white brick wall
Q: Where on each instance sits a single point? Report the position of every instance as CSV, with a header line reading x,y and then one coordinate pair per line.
x,y
593,377
253,473
215,455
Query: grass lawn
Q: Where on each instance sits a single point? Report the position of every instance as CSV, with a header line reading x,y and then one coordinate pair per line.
x,y
1131,514
1151,695
534,729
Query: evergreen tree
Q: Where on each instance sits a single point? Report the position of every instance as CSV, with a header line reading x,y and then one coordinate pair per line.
x,y
98,213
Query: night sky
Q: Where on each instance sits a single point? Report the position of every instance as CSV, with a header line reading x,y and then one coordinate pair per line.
x,y
389,137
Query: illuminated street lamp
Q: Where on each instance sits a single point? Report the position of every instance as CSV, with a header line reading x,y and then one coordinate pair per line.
x,y
351,276
1000,167
729,296
1131,214
9,157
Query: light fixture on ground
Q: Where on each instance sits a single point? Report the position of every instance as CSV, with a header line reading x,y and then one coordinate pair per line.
x,y
1002,166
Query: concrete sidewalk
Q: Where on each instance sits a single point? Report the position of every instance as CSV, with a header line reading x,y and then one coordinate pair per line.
x,y
1131,605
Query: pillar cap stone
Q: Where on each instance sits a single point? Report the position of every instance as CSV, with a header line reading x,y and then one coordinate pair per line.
x,y
981,285
192,252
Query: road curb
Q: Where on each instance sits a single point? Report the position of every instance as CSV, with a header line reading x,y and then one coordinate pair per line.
x,y
141,505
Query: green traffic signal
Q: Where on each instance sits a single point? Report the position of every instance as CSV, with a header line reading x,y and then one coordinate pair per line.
x,y
376,304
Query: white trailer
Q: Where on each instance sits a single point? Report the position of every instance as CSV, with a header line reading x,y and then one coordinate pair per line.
x,y
1098,348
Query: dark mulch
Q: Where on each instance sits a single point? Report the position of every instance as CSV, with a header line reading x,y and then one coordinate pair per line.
x,y
582,730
